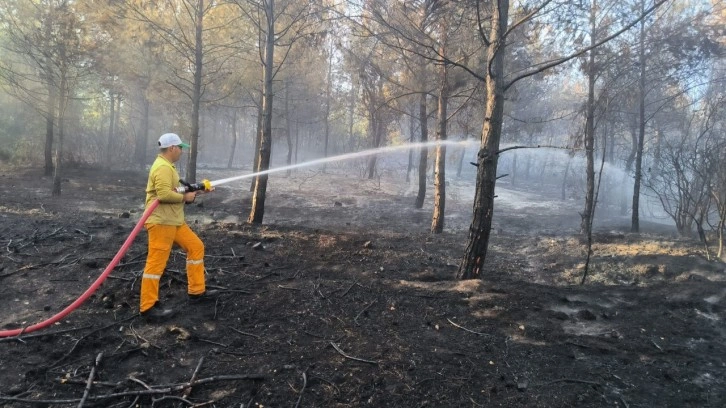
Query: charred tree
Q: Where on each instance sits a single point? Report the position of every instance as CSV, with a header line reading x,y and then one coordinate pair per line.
x,y
487,157
437,222
589,137
50,125
142,135
111,127
424,152
258,197
635,220
288,134
495,86
258,142
62,105
196,91
235,137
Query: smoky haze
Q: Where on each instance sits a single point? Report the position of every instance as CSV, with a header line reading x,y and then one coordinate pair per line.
x,y
341,85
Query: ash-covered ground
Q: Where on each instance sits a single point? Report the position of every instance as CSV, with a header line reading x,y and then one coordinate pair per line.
x,y
343,299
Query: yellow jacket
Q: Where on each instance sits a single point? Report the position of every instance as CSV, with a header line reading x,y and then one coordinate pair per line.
x,y
163,179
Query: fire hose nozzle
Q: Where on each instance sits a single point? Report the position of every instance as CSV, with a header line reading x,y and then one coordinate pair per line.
x,y
204,185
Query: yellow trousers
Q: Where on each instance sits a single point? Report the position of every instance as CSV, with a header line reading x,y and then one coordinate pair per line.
x,y
161,240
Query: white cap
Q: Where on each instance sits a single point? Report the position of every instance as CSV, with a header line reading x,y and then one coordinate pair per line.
x,y
171,139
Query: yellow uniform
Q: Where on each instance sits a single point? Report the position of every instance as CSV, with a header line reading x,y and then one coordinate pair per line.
x,y
166,227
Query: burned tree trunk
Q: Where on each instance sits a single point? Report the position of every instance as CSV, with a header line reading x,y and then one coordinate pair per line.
x,y
437,223
258,197
424,153
486,176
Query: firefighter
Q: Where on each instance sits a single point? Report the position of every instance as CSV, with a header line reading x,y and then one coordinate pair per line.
x,y
166,226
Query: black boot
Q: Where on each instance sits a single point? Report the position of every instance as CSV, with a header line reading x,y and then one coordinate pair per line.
x,y
157,313
207,296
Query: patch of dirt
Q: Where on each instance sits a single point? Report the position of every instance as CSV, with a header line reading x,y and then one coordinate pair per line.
x,y
343,299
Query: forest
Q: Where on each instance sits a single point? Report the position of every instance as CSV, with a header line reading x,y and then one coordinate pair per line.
x,y
417,202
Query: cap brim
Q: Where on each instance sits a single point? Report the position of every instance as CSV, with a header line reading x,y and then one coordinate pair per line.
x,y
184,145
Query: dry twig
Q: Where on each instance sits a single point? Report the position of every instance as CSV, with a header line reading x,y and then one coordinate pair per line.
x,y
188,390
243,333
89,383
570,380
342,353
355,320
468,330
55,363
305,383
349,288
213,342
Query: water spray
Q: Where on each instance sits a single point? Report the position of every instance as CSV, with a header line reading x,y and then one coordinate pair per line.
x,y
349,156
206,185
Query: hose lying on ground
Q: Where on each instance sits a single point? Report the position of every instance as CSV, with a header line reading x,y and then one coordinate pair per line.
x,y
116,259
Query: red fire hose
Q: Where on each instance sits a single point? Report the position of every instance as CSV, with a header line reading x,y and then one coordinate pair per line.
x,y
63,313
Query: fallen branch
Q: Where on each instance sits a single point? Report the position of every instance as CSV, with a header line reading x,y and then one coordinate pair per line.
x,y
24,268
55,363
164,389
89,383
213,342
355,320
305,383
243,333
222,288
251,353
335,387
188,390
468,330
136,380
570,380
35,239
349,288
342,353
171,397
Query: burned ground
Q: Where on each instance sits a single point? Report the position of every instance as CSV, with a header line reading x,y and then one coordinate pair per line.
x,y
343,299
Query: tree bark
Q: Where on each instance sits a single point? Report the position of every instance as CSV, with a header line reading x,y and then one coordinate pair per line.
x,y
49,126
635,221
411,138
50,103
721,233
352,98
328,94
375,130
424,152
589,142
487,157
62,100
111,128
142,136
258,197
234,139
258,142
437,223
196,93
288,135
